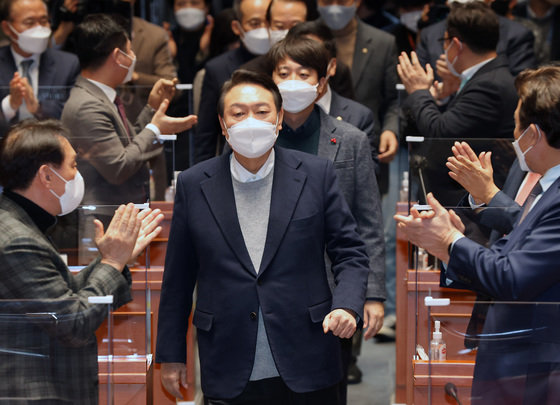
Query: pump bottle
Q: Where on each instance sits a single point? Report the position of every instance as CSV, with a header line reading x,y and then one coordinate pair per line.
x,y
438,350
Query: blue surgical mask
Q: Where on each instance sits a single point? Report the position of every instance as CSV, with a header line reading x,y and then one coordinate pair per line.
x,y
337,17
520,154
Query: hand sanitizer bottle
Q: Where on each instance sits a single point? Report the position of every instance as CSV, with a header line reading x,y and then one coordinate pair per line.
x,y
438,349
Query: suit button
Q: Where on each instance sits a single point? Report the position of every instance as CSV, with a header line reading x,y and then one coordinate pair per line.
x,y
253,315
259,282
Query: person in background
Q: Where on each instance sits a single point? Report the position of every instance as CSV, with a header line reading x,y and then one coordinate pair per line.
x,y
35,80
41,181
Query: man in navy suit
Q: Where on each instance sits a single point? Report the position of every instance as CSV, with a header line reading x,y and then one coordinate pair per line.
x,y
34,80
522,266
250,228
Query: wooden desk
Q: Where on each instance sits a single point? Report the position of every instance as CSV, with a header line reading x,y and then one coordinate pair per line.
x,y
414,327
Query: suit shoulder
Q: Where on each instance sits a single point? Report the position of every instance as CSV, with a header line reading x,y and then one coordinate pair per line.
x,y
61,57
151,28
376,33
296,158
347,130
435,29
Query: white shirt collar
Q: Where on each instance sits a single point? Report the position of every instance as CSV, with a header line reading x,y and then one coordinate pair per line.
x,y
18,58
110,92
325,101
531,14
550,177
468,73
242,175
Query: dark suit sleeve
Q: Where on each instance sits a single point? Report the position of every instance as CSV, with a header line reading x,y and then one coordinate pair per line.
x,y
208,128
520,49
501,213
478,106
521,274
390,102
367,212
346,250
179,280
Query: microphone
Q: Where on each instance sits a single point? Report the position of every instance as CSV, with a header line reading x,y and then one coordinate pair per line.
x,y
451,390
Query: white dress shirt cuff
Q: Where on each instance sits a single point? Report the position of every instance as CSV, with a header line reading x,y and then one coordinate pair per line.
x,y
473,204
7,109
155,130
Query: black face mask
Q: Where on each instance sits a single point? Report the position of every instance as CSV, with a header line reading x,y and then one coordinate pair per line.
x,y
500,7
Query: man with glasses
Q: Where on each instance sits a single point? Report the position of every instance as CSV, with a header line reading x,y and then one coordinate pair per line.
x,y
34,79
485,100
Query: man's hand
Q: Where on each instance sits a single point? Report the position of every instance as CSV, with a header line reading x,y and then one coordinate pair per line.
x,y
475,174
149,230
412,75
117,244
173,374
388,146
431,230
171,125
31,101
449,82
162,90
373,318
341,322
204,44
16,91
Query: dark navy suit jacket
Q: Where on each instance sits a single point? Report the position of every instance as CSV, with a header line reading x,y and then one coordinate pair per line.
x,y
522,266
57,73
308,214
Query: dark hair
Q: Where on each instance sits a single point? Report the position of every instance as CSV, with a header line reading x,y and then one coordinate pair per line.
x,y
475,24
305,51
242,76
315,28
237,10
539,92
27,146
97,36
285,1
171,3
6,8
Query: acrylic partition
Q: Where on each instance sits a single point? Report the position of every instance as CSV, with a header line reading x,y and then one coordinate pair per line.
x,y
41,340
507,353
418,274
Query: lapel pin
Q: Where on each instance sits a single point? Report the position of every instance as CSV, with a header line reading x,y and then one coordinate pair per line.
x,y
333,141
364,50
339,118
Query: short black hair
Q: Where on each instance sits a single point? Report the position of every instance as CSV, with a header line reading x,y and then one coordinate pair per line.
x,y
539,92
97,36
242,76
305,51
315,28
475,24
27,146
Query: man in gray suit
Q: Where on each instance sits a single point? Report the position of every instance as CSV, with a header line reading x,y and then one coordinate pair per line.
x,y
300,69
371,55
113,152
49,351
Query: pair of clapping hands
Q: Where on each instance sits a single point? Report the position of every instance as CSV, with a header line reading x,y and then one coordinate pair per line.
x,y
436,229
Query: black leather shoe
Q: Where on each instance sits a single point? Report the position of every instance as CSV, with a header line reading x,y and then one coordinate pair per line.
x,y
354,374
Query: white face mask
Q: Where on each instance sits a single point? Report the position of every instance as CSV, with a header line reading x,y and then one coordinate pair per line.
x,y
297,95
190,18
277,35
450,64
520,154
337,17
34,40
130,68
73,193
410,20
252,138
256,41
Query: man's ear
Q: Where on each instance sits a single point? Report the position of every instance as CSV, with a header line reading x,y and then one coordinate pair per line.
x,y
322,83
7,31
44,175
236,28
222,125
331,69
280,119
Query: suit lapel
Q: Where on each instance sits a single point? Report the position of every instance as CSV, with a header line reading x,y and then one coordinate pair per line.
x,y
218,191
46,69
329,142
287,186
362,52
339,108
